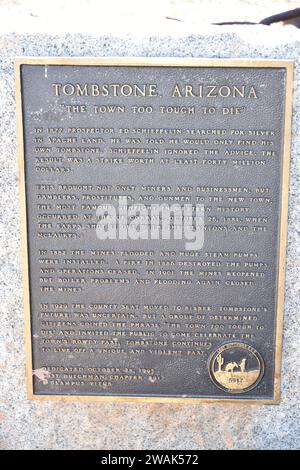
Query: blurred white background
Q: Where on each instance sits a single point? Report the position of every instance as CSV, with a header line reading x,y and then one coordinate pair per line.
x,y
92,15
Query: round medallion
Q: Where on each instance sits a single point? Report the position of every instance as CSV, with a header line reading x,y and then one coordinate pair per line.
x,y
236,367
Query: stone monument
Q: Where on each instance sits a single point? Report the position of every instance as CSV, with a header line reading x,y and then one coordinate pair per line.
x,y
122,425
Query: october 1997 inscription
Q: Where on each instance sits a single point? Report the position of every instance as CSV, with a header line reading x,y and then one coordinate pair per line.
x,y
133,313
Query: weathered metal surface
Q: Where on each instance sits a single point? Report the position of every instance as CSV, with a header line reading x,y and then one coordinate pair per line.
x,y
147,318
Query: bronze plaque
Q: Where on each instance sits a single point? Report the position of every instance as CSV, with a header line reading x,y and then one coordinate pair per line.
x,y
113,313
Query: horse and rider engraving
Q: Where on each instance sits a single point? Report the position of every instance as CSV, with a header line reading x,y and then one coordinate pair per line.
x,y
234,373
236,367
231,365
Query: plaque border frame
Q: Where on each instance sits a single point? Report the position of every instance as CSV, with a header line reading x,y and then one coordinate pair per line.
x,y
159,62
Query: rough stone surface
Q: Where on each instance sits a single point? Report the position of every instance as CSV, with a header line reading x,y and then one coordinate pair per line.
x,y
69,425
